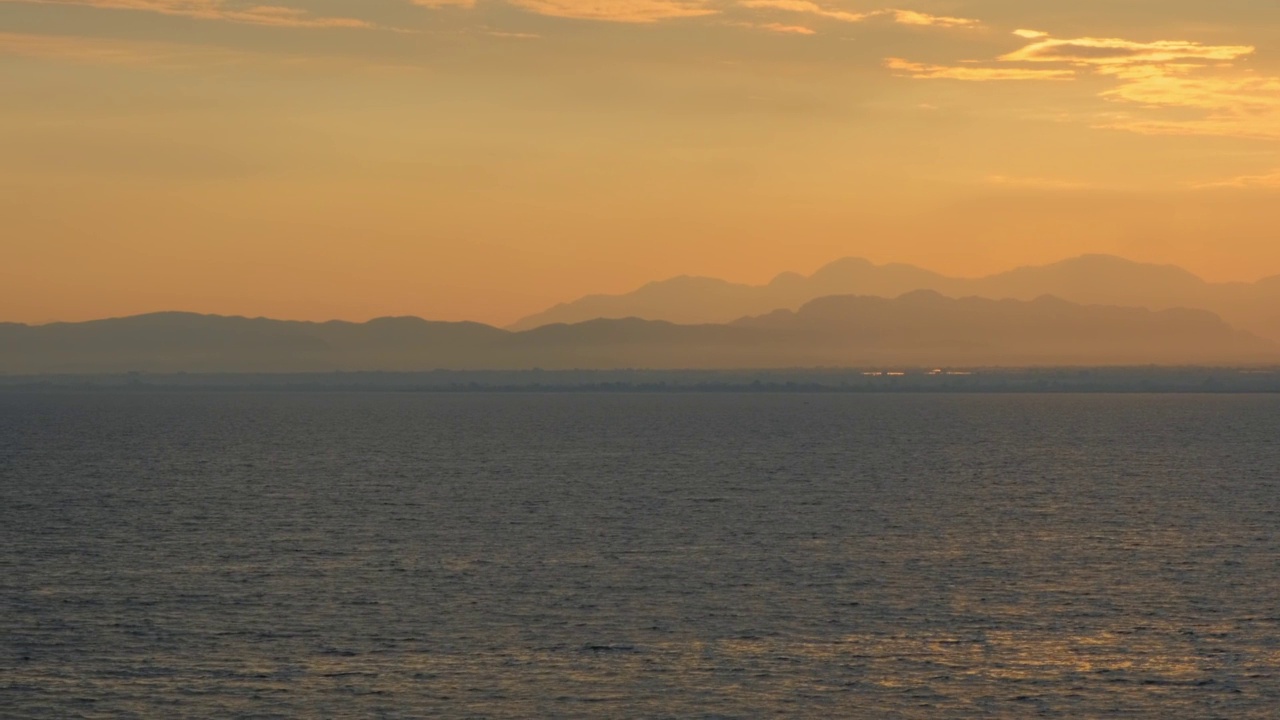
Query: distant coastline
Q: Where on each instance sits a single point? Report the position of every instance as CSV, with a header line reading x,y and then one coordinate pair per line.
x,y
873,380
1086,312
919,329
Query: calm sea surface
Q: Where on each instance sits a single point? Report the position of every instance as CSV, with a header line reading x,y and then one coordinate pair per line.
x,y
337,555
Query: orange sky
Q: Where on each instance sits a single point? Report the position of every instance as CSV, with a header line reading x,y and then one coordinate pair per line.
x,y
482,160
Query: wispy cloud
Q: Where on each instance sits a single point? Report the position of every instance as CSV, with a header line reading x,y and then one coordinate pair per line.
x,y
1111,52
1238,103
625,11
973,73
911,17
783,28
902,17
1124,59
1269,181
225,10
1170,87
650,11
806,7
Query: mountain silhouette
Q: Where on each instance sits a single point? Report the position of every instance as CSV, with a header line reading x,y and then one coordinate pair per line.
x,y
974,330
1089,279
920,328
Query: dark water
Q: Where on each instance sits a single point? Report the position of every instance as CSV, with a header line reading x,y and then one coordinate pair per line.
x,y
517,556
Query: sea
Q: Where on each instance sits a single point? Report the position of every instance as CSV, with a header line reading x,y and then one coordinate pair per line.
x,y
246,554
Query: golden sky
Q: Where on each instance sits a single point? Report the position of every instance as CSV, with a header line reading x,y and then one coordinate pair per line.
x,y
482,159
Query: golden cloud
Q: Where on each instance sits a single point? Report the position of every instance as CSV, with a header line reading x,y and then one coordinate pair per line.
x,y
1270,181
973,73
902,17
1114,51
784,28
226,10
1151,77
911,17
1182,86
807,7
648,11
626,11
1243,105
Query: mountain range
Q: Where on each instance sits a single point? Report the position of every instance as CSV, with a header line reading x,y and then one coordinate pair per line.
x,y
1089,279
919,328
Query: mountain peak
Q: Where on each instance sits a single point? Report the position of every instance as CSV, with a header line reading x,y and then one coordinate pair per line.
x,y
846,263
787,279
1091,279
923,295
1098,262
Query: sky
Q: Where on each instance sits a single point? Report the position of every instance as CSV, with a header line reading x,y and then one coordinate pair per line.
x,y
484,159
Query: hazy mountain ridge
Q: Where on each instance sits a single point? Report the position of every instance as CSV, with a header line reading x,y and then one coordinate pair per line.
x,y
921,328
924,320
1088,279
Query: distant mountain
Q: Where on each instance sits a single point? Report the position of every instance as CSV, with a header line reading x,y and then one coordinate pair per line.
x,y
921,328
1089,279
976,331
178,342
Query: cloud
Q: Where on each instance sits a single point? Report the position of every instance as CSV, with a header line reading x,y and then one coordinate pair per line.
x,y
911,17
1114,51
513,35
807,7
226,10
1169,87
1270,181
1175,88
650,11
902,17
973,73
1239,105
786,29
1243,94
625,11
